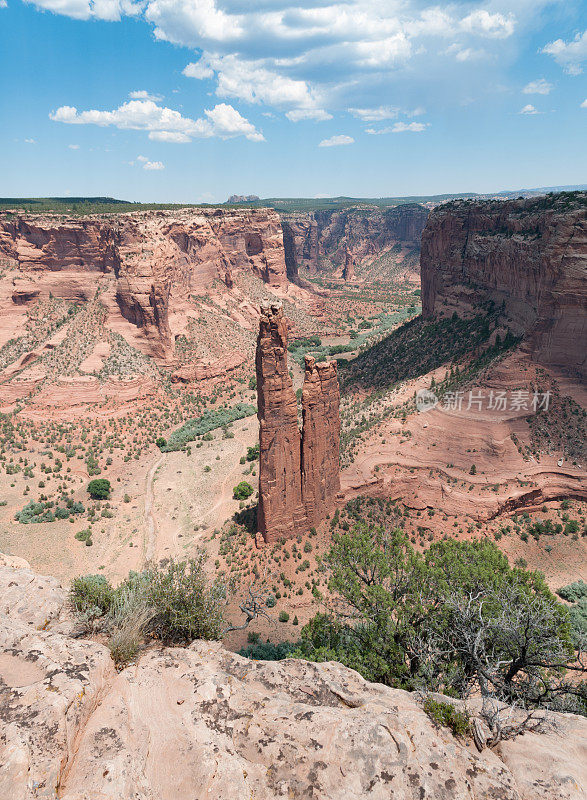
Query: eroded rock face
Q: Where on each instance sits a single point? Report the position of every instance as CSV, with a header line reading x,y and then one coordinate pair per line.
x,y
144,264
320,240
320,439
280,512
298,472
530,255
198,722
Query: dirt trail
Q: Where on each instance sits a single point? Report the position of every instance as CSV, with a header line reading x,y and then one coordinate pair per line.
x,y
150,521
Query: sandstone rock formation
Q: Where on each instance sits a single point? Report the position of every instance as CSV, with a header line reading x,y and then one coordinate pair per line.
x,y
145,264
281,511
298,472
320,439
530,255
199,722
320,240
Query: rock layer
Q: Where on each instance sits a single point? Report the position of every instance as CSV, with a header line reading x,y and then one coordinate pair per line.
x,y
529,255
280,511
320,439
145,264
199,722
321,240
298,471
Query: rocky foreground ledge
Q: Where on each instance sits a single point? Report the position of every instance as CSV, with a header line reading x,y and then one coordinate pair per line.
x,y
201,722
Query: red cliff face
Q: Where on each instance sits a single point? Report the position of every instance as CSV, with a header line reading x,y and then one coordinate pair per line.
x,y
320,439
298,472
529,255
280,512
145,264
320,240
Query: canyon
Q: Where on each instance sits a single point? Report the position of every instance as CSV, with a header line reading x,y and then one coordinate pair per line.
x,y
528,255
298,471
327,242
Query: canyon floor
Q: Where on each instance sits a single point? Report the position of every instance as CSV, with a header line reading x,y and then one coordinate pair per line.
x,y
459,472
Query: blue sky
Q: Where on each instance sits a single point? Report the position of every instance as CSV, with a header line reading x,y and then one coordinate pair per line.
x,y
193,100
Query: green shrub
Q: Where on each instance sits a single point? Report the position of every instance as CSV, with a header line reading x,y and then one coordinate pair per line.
x,y
268,651
99,489
447,715
208,421
91,595
253,453
573,592
283,616
242,491
186,605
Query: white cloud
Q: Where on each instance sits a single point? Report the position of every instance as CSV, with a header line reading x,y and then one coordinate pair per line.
x,y
153,165
3,4
164,124
142,158
484,23
141,94
111,10
570,55
400,127
172,137
73,146
540,86
528,109
253,82
464,53
30,141
317,114
336,141
374,114
584,104
198,70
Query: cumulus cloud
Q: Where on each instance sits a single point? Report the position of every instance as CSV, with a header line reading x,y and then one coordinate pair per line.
x,y
3,4
484,23
528,109
584,104
374,114
399,127
164,124
172,137
308,58
110,10
570,55
73,146
317,114
30,141
198,70
141,94
336,141
541,86
153,165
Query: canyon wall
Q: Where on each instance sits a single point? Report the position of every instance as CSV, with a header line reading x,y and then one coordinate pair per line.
x,y
528,255
145,264
298,471
320,240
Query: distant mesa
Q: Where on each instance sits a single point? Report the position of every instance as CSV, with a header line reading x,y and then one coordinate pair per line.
x,y
242,198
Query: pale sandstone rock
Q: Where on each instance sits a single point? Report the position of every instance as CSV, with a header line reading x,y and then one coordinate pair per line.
x,y
199,722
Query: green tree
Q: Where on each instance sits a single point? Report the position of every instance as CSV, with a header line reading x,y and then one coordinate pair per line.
x,y
99,489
